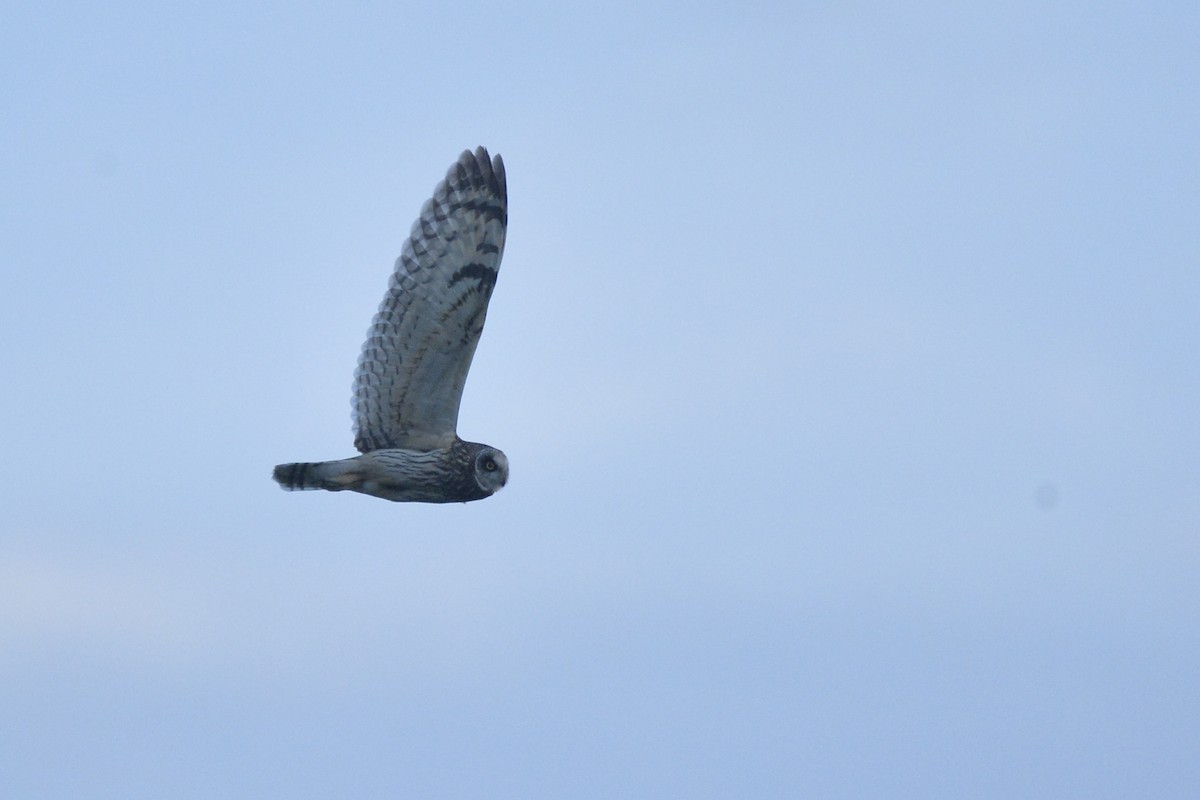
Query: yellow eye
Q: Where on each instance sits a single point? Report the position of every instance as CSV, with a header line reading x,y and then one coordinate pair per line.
x,y
489,465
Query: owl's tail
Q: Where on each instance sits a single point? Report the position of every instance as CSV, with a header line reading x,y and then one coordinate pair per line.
x,y
330,475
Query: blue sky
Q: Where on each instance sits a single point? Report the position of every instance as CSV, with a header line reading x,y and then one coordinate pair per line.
x,y
845,356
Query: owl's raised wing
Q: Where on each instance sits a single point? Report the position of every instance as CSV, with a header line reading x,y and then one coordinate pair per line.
x,y
414,363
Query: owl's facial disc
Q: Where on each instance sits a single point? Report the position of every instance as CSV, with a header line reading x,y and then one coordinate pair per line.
x,y
491,470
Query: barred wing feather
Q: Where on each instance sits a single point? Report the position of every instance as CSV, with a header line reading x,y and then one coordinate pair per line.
x,y
414,363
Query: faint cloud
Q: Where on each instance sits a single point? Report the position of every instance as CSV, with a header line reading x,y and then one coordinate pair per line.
x,y
44,601
1046,495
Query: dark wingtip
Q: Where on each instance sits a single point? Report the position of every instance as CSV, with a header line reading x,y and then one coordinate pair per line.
x,y
501,181
482,167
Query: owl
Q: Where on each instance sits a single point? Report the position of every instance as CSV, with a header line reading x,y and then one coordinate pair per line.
x,y
414,363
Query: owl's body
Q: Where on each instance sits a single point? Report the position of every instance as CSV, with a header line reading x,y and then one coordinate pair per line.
x,y
414,363
420,476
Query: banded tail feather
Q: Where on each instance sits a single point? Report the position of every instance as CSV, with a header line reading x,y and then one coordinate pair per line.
x,y
329,475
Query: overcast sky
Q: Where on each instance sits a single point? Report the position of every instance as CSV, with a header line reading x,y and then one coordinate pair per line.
x,y
845,356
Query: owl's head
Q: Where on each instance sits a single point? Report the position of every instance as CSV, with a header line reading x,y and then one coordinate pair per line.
x,y
491,469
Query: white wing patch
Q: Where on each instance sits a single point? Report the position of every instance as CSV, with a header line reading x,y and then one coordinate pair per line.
x,y
414,363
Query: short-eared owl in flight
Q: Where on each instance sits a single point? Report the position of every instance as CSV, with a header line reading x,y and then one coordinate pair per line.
x,y
414,363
